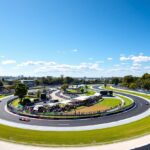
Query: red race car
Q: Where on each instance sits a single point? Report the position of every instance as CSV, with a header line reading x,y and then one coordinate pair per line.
x,y
24,119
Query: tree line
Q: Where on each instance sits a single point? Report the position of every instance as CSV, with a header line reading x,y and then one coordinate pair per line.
x,y
64,80
128,81
137,82
133,82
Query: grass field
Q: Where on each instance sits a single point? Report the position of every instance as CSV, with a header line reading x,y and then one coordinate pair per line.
x,y
106,104
90,92
126,100
15,103
1,96
82,138
110,102
73,91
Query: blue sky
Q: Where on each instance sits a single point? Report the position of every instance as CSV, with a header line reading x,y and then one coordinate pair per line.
x,y
74,37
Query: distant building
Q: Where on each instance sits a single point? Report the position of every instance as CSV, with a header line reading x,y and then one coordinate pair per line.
x,y
29,83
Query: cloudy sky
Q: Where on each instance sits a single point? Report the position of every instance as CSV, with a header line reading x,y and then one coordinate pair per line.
x,y
90,38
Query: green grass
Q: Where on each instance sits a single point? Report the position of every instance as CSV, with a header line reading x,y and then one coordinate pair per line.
x,y
110,102
73,91
126,100
2,96
89,86
94,137
90,92
15,103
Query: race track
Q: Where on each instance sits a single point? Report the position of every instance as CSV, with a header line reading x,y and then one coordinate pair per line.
x,y
139,108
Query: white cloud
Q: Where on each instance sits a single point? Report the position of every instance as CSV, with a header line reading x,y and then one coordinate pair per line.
x,y
33,63
123,58
141,58
136,59
75,50
7,62
109,58
117,65
48,66
136,66
95,69
147,67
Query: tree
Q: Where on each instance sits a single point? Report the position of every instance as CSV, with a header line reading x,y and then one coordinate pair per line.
x,y
44,90
3,79
127,80
146,76
38,94
21,90
146,84
68,80
1,83
133,86
139,83
115,81
26,102
64,87
86,88
37,82
45,81
105,83
82,90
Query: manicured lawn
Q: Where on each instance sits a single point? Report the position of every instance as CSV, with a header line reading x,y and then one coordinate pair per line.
x,y
15,103
2,96
72,91
126,100
106,104
110,102
76,138
90,92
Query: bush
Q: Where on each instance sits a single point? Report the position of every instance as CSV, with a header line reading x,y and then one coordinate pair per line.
x,y
36,100
26,102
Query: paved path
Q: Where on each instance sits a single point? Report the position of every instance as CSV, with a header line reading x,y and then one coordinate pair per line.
x,y
54,96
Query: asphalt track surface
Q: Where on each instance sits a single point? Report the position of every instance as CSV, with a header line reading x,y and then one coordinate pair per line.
x,y
146,147
139,108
